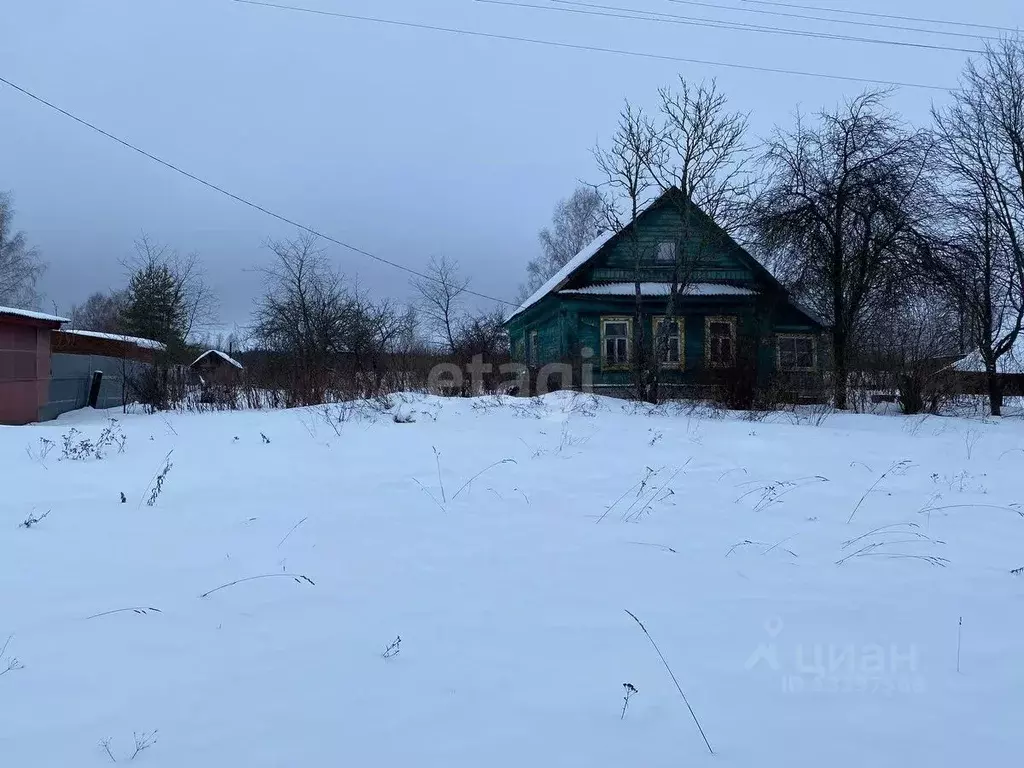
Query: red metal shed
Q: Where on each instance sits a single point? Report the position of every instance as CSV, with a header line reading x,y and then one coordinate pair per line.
x,y
24,363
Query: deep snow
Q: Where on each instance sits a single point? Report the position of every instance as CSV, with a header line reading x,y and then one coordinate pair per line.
x,y
509,593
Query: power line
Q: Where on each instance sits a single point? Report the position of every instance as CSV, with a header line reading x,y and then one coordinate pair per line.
x,y
595,48
851,22
880,15
232,195
702,21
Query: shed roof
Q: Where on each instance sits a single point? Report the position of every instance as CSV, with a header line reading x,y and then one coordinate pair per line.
x,y
31,314
137,341
227,358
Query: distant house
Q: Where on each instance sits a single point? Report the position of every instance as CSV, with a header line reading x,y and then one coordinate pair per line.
x,y
216,367
732,315
970,371
25,363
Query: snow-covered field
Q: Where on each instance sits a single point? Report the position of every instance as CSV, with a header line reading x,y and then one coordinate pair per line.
x,y
504,542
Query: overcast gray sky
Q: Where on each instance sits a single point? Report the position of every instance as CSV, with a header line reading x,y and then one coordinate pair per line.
x,y
404,142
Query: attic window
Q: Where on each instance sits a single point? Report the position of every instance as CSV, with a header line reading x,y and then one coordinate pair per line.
x,y
666,253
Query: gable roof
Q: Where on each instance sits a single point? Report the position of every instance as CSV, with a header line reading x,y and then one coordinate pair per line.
x,y
228,359
581,259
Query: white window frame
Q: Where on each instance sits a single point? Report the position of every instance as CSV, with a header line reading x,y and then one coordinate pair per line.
x,y
612,366
731,320
795,369
666,246
680,341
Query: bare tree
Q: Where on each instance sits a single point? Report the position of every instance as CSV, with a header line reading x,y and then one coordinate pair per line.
x,y
100,312
704,157
20,265
302,315
981,259
626,166
842,213
441,292
576,222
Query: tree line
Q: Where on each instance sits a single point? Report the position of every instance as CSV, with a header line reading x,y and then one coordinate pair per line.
x,y
907,241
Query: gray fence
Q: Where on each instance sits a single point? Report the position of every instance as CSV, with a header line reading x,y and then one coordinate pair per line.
x,y
71,377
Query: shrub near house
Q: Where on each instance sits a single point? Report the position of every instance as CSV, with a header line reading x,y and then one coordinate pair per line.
x,y
731,322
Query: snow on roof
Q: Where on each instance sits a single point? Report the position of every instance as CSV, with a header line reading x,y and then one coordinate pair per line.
x,y
32,315
217,352
577,261
138,342
660,289
1012,362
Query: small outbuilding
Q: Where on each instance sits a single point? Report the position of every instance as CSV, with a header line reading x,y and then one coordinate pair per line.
x,y
216,367
25,363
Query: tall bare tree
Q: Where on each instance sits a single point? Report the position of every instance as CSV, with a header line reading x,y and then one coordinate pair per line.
x,y
302,315
703,155
441,293
842,213
100,312
981,147
576,222
630,186
20,265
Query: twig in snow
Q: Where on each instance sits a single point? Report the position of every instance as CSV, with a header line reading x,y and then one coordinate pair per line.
x,y
881,529
474,477
730,471
11,664
291,531
959,634
783,541
393,649
440,480
631,691
143,741
163,468
142,610
646,544
31,520
432,497
961,506
616,502
298,578
895,467
674,680
105,746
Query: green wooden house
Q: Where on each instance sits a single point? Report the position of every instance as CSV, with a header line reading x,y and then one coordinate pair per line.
x,y
732,319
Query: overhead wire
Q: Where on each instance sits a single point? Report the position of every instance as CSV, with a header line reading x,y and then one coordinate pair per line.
x,y
593,48
236,197
618,12
831,20
872,14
